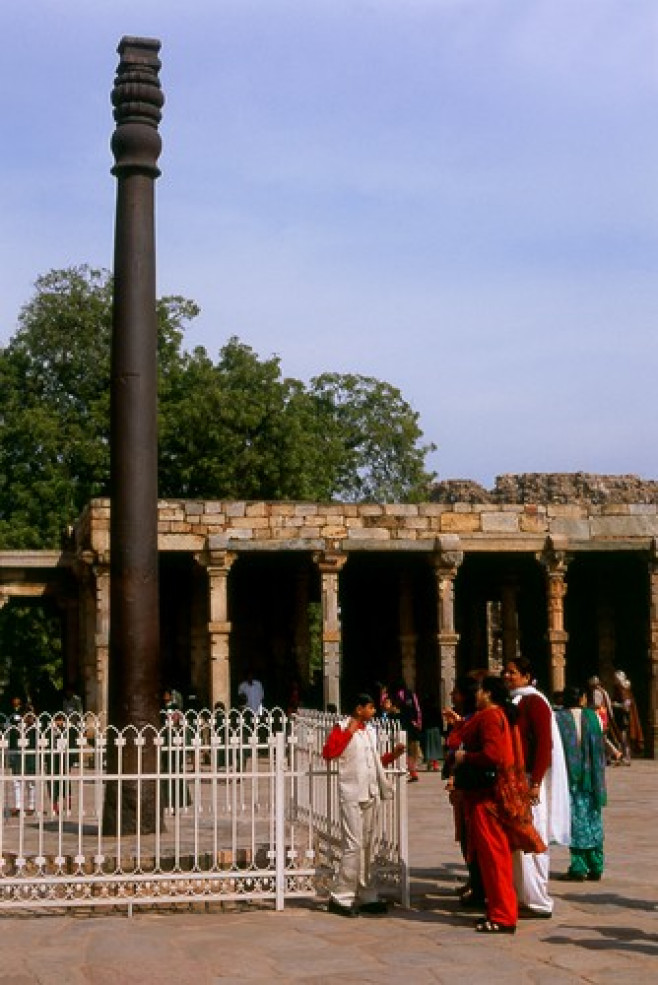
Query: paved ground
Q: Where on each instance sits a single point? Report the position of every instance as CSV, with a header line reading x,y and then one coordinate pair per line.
x,y
601,933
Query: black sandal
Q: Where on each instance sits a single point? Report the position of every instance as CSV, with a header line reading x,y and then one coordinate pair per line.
x,y
491,927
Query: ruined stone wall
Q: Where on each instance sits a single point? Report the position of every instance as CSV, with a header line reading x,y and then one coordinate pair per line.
x,y
557,487
190,525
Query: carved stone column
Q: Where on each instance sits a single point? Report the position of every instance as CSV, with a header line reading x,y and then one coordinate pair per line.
x,y
218,565
555,563
653,650
330,564
93,576
446,562
96,636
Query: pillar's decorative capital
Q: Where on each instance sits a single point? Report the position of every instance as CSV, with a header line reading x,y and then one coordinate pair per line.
x,y
137,99
330,562
554,558
213,559
88,563
447,555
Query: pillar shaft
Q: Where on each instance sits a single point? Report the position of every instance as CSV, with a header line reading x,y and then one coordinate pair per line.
x,y
555,564
134,610
446,562
218,565
330,564
100,665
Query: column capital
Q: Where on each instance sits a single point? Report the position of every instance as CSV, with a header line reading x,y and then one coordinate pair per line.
x,y
210,559
447,555
92,562
137,99
330,562
555,558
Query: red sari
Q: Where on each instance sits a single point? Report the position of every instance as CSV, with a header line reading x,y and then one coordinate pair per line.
x,y
487,740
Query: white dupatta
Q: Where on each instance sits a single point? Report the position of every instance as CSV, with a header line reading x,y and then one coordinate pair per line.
x,y
555,784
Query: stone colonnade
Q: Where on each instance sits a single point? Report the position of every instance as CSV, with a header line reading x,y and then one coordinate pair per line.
x,y
445,562
524,556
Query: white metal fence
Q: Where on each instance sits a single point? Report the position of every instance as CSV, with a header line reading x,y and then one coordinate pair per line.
x,y
243,808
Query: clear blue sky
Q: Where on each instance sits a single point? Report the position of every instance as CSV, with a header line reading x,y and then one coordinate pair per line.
x,y
457,196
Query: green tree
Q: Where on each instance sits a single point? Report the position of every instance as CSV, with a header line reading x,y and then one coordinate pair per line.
x,y
54,415
31,654
373,436
230,428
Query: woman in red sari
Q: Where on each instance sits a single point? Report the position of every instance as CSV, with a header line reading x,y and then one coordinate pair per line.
x,y
496,801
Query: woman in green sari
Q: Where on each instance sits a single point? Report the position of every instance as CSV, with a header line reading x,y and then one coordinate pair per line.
x,y
584,751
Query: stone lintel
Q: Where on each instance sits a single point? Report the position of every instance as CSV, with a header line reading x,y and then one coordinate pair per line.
x,y
31,559
399,545
180,542
513,544
370,534
571,527
27,590
223,542
638,545
624,526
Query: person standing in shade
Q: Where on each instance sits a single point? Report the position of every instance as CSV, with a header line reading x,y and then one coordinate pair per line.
x,y
547,777
627,720
411,721
362,784
584,750
253,691
601,704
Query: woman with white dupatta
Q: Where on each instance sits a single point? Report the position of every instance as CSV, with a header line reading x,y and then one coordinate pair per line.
x,y
549,788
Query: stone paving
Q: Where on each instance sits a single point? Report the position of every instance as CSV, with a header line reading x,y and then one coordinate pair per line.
x,y
602,933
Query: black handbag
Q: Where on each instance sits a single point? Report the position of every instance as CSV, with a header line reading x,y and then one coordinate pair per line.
x,y
469,777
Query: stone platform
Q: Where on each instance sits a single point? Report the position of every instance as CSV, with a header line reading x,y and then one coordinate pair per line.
x,y
604,933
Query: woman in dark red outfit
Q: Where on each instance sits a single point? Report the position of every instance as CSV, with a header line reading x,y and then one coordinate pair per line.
x,y
494,811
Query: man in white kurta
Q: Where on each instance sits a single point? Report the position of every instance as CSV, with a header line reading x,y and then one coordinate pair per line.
x,y
362,784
